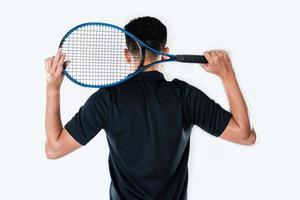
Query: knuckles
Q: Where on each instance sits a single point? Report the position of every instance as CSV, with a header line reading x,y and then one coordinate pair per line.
x,y
48,60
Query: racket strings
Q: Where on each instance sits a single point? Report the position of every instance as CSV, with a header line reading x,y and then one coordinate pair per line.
x,y
97,55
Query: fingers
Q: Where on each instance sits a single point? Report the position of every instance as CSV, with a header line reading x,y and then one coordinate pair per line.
x,y
222,53
219,53
54,67
48,63
56,60
60,64
214,54
207,55
218,61
57,63
208,58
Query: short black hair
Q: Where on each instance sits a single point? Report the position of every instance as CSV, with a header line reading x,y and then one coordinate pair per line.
x,y
148,29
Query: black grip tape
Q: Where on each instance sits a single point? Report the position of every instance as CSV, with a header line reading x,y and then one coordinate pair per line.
x,y
191,59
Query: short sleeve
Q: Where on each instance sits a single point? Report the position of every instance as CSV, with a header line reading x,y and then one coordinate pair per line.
x,y
90,118
204,111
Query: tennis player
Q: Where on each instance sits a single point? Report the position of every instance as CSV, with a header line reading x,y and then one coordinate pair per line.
x,y
147,120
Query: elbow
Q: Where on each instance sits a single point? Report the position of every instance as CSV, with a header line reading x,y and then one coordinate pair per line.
x,y
249,138
51,153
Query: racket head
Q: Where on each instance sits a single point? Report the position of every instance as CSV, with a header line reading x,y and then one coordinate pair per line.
x,y
97,55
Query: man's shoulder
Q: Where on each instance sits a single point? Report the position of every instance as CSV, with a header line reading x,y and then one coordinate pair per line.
x,y
100,95
179,82
182,85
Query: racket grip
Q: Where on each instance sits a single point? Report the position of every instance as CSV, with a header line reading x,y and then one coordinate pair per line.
x,y
191,59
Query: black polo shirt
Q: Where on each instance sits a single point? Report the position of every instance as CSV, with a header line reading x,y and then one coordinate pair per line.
x,y
148,123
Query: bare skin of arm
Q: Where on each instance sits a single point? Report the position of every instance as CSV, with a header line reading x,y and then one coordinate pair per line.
x,y
58,141
239,128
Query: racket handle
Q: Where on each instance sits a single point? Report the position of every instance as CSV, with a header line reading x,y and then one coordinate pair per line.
x,y
191,59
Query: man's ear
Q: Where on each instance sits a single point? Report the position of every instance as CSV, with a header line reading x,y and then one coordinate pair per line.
x,y
165,50
127,56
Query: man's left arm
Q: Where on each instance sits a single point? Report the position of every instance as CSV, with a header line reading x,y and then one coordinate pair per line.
x,y
58,140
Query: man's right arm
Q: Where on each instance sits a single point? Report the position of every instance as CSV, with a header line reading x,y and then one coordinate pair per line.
x,y
239,128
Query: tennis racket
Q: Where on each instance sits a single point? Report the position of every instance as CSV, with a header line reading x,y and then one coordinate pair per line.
x,y
96,52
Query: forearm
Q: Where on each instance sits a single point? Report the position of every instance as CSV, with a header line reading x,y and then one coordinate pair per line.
x,y
237,104
53,124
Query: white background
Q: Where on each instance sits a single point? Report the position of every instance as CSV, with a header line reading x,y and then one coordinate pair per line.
x,y
263,40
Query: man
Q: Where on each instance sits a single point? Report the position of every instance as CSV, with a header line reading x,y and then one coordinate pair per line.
x,y
147,120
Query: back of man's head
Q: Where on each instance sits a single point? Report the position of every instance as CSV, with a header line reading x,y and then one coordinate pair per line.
x,y
148,29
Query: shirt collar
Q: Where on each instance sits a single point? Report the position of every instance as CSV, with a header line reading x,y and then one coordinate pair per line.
x,y
149,75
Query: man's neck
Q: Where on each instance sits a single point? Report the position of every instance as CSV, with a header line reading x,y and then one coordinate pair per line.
x,y
153,68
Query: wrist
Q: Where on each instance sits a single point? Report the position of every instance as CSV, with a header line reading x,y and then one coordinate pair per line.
x,y
52,91
227,76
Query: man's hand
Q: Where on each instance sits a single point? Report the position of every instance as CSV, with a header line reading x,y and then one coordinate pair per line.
x,y
219,63
54,70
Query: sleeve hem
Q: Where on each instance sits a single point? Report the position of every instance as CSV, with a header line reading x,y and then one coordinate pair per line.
x,y
223,126
72,132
